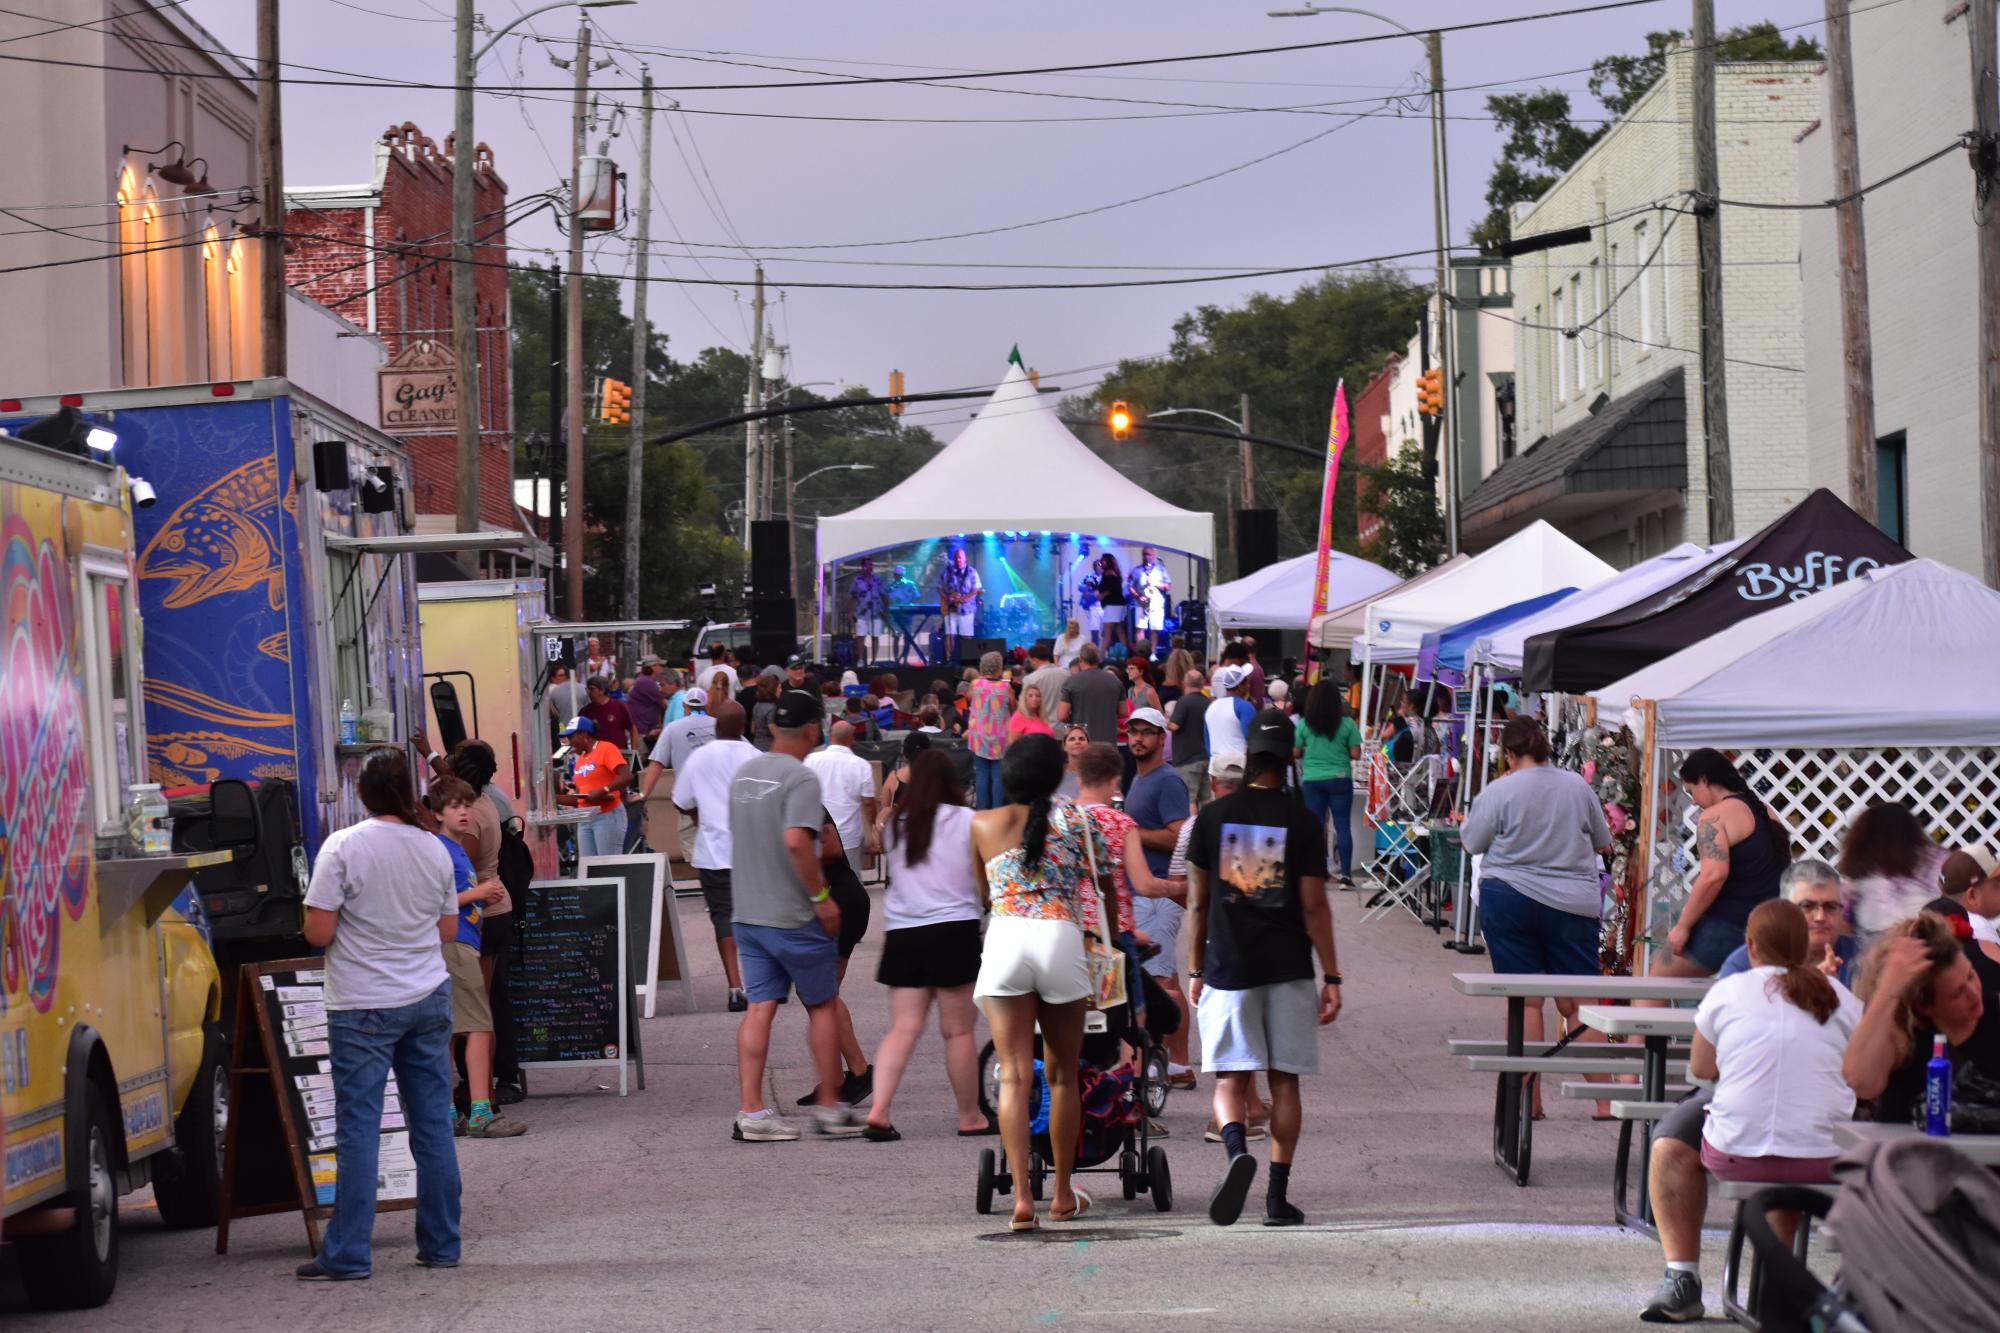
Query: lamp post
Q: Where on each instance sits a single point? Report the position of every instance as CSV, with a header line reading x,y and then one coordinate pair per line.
x,y
1441,216
464,305
791,527
1248,495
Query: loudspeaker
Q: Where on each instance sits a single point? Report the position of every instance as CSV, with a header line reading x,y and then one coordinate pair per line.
x,y
330,465
1256,540
774,628
1193,629
970,650
770,559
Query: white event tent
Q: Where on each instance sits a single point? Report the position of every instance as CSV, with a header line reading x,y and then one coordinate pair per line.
x,y
1339,628
1901,656
1280,596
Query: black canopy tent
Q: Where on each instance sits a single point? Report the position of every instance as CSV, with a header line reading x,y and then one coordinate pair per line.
x,y
1818,543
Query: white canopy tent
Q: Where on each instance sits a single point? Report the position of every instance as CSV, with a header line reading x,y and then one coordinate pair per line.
x,y
1901,656
1337,629
1280,596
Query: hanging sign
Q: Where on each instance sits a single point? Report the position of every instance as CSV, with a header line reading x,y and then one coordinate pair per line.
x,y
417,392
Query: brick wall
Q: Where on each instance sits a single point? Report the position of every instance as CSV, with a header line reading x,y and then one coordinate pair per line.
x,y
1370,445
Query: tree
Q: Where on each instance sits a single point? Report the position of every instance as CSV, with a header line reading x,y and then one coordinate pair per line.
x,y
1543,142
1411,538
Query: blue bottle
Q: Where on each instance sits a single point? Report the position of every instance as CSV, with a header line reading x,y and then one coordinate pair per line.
x,y
1937,1090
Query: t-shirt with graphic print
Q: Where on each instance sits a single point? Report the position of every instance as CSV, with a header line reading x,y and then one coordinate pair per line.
x,y
1255,845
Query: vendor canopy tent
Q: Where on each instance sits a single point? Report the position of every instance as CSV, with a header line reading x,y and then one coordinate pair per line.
x,y
1502,649
1280,596
1016,467
1339,628
1536,560
1817,544
1443,654
1897,656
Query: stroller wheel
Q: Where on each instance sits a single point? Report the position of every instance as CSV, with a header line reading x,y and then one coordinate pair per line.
x,y
1036,1171
982,1199
1156,1081
1160,1179
1128,1173
989,1081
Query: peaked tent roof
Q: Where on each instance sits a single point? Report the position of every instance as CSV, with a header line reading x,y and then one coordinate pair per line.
x,y
1340,627
1801,675
1280,596
1442,656
1504,646
1015,467
1535,560
1818,543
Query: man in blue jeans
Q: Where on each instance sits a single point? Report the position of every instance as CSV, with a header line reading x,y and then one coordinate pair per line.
x,y
382,900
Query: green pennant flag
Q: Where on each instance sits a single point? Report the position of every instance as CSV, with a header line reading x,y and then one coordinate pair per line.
x,y
1014,357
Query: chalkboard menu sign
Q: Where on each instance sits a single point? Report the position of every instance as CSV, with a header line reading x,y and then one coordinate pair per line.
x,y
281,1099
569,984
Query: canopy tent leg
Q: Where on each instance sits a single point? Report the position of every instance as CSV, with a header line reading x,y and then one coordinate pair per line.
x,y
820,647
1463,922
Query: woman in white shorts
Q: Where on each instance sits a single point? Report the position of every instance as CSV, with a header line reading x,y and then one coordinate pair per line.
x,y
1034,867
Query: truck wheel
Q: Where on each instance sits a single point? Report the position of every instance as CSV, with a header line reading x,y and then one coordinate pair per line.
x,y
193,1198
77,1268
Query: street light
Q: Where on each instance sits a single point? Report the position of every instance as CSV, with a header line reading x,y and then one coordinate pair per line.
x,y
464,307
833,467
1441,215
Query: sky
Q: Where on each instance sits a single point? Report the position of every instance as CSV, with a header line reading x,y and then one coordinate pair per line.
x,y
761,183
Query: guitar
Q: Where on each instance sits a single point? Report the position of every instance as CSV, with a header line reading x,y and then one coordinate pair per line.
x,y
1086,592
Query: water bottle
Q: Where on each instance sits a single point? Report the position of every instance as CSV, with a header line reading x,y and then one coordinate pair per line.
x,y
1937,1091
350,723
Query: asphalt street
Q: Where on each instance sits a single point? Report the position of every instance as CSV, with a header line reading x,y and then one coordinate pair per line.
x,y
641,1212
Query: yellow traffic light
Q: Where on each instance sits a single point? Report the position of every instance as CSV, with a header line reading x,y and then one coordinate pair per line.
x,y
895,391
1120,421
1430,392
614,406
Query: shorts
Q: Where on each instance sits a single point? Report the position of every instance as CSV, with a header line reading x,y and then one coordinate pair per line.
x,y
1274,1027
1525,935
720,900
1772,1170
940,956
470,1009
1160,919
959,623
1033,956
1093,618
1711,942
1148,619
852,900
777,960
869,626
1685,1121
496,935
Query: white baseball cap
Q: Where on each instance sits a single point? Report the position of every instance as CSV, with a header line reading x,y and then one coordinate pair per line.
x,y
1152,717
1227,765
1228,678
696,697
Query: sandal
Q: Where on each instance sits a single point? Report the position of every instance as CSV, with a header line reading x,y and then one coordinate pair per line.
x,y
880,1133
992,1127
1031,1224
1082,1207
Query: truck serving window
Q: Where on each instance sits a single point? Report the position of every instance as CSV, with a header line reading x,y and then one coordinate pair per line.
x,y
111,686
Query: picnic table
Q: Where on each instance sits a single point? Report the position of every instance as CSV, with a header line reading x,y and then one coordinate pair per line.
x,y
1658,1028
1513,1125
1981,1148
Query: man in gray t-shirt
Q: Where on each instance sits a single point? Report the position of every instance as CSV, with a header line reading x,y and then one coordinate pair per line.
x,y
785,920
1090,697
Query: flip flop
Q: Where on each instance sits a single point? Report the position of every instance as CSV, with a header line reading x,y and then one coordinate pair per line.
x,y
1032,1224
1082,1207
992,1127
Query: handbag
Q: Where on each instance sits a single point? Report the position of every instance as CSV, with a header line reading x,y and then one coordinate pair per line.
x,y
1107,961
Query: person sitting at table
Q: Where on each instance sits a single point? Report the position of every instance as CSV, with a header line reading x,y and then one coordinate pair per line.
x,y
1741,852
1773,1040
1540,830
1920,985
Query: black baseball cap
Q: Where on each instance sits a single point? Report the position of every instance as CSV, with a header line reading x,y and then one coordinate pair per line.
x,y
1270,733
798,708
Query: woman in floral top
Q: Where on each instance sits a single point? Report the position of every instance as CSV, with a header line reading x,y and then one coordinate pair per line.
x,y
1034,864
989,705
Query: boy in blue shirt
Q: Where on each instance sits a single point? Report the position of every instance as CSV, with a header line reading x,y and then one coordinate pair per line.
x,y
452,800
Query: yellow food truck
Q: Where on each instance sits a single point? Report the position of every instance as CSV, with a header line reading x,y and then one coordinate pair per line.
x,y
113,1071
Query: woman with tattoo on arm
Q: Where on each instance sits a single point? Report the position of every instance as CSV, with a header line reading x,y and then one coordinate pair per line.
x,y
1742,851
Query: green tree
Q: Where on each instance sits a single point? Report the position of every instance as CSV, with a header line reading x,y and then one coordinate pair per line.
x,y
1411,538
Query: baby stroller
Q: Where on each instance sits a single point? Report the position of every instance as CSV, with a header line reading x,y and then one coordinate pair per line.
x,y
1163,1017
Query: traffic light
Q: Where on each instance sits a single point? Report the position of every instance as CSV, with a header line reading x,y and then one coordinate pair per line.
x,y
895,391
614,404
1120,421
1430,392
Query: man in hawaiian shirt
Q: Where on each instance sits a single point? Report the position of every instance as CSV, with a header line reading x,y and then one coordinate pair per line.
x,y
959,591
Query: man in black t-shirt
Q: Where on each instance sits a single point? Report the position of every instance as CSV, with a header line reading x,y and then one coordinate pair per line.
x,y
1256,914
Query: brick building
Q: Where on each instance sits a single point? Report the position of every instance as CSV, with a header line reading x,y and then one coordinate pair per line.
x,y
378,254
1370,447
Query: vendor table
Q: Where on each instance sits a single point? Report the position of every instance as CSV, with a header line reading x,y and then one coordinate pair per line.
x,y
1658,1028
1981,1148
1513,1125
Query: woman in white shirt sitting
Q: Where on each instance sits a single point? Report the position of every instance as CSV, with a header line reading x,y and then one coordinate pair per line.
x,y
1773,1039
931,947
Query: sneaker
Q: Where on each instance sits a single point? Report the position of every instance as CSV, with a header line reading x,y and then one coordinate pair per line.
x,y
1226,1204
423,1262
1251,1133
837,1122
763,1127
858,1088
494,1127
1678,1301
738,1001
458,1121
313,1272
1283,1215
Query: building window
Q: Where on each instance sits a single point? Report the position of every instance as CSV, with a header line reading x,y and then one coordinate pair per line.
x,y
1892,480
1603,317
1665,335
1644,259
1562,350
1576,344
137,328
1616,354
246,334
163,291
217,288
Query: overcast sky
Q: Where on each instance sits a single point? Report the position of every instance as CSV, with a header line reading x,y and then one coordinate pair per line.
x,y
1362,190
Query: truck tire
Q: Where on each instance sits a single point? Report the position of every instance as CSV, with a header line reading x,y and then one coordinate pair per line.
x,y
193,1197
77,1268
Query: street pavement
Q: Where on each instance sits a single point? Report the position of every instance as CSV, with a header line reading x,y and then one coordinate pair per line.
x,y
642,1212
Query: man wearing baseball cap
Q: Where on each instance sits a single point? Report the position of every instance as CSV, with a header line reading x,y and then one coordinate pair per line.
x,y
1969,886
598,780
1227,720
1257,913
785,920
1157,801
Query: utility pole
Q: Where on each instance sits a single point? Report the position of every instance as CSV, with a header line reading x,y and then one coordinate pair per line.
x,y
464,292
1243,452
1434,46
1857,354
791,525
573,341
753,435
1708,265
270,190
1980,28
635,449
557,432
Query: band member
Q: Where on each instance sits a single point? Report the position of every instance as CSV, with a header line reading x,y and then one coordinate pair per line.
x,y
867,607
1147,587
959,591
1087,600
1111,600
902,594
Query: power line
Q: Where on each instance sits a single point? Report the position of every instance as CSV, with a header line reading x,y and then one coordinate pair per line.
x,y
1870,188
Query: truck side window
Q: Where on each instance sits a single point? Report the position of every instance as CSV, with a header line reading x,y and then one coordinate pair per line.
x,y
111,684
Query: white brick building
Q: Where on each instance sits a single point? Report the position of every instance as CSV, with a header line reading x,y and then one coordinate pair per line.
x,y
1611,447
1912,96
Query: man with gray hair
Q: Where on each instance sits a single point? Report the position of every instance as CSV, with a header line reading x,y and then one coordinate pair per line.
x,y
1675,1180
1186,722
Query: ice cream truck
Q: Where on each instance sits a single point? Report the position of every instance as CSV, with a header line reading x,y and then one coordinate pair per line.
x,y
112,1068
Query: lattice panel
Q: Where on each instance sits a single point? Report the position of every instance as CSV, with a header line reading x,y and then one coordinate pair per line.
x,y
1954,790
